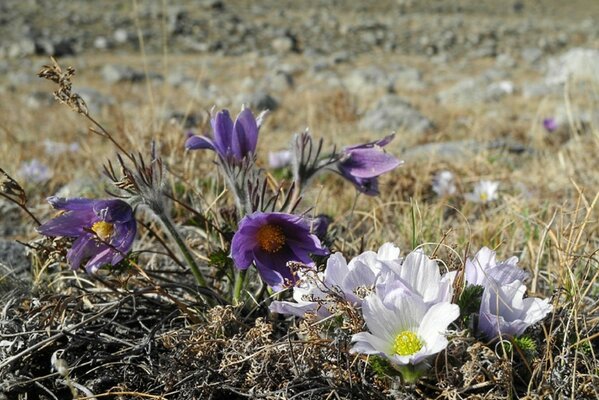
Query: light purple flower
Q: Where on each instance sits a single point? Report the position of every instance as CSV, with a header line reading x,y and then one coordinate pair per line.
x,y
270,241
504,311
279,159
418,275
104,230
363,164
550,124
403,329
236,140
35,171
351,281
484,267
444,184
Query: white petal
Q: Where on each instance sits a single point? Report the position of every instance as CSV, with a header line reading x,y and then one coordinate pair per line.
x,y
388,252
381,321
421,274
435,322
366,343
336,270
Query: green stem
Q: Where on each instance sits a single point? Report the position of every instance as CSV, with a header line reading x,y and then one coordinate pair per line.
x,y
186,253
411,373
239,281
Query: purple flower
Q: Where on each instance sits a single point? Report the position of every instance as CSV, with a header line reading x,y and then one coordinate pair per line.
x,y
230,140
550,124
505,311
364,163
484,269
104,230
270,241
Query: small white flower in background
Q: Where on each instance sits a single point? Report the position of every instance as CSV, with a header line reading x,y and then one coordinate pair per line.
x,y
54,148
484,267
444,184
279,159
419,275
402,328
351,281
484,192
504,311
34,171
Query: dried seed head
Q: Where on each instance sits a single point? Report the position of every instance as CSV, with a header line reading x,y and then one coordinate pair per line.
x,y
64,94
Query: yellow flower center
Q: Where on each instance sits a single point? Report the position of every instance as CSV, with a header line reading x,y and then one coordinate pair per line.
x,y
103,229
484,197
406,344
270,238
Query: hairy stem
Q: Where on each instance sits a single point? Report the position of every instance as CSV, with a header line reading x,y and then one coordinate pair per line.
x,y
239,281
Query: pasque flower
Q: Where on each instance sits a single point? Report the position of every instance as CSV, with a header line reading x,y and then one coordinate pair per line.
x,y
484,268
364,163
104,230
271,240
505,311
419,275
444,184
484,192
351,281
236,140
403,329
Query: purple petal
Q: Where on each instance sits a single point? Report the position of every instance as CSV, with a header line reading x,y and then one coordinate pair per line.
x,y
77,204
369,163
199,142
113,211
82,248
102,258
245,134
222,125
71,224
124,235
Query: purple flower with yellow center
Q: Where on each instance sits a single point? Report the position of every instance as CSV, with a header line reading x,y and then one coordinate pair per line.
x,y
236,140
104,230
270,241
364,163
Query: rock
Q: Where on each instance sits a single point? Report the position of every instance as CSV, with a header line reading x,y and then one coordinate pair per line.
x,y
113,73
120,36
282,45
15,267
95,100
576,64
101,43
392,113
531,55
369,79
23,48
461,148
36,100
484,88
259,101
539,89
505,61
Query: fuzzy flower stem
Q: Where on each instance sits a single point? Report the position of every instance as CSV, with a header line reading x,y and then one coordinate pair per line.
x,y
183,247
410,373
239,281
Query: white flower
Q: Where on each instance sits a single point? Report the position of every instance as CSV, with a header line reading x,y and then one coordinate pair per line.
x,y
484,192
484,266
402,328
444,184
279,159
419,275
350,281
503,310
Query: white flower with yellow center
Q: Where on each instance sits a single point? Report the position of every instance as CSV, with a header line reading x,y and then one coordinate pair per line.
x,y
484,192
403,329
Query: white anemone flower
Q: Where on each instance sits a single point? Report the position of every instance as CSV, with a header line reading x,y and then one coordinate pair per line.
x,y
351,281
444,184
505,311
484,266
279,159
484,192
402,328
419,275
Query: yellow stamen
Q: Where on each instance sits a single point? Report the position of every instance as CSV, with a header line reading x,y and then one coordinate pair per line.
x,y
103,229
483,197
270,238
406,344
